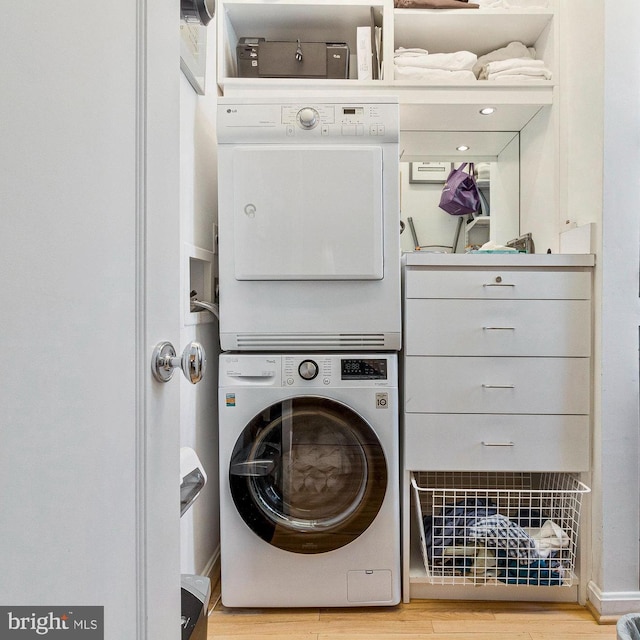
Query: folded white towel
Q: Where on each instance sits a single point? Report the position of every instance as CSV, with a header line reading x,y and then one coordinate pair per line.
x,y
433,75
410,52
513,63
514,66
512,50
458,61
517,78
523,73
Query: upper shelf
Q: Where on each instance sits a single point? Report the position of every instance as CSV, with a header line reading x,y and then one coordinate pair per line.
x,y
477,30
438,31
288,20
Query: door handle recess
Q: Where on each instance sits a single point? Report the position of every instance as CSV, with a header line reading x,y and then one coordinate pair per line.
x,y
498,386
193,362
498,444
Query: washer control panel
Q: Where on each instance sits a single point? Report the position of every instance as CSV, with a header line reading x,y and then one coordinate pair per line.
x,y
336,370
306,371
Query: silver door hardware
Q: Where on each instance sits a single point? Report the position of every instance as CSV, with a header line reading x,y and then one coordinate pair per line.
x,y
193,362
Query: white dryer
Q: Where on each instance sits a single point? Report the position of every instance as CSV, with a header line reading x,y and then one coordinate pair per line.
x,y
309,507
309,224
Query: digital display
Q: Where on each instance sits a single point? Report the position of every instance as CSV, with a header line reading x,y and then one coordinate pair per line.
x,y
360,369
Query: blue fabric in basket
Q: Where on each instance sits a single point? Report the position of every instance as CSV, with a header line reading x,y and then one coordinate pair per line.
x,y
540,573
450,528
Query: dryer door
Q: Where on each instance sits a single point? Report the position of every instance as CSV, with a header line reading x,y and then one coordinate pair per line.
x,y
308,213
308,475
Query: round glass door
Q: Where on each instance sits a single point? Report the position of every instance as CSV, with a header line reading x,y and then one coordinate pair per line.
x,y
308,475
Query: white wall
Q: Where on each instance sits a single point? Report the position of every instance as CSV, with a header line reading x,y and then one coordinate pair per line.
x,y
539,180
199,530
616,511
599,137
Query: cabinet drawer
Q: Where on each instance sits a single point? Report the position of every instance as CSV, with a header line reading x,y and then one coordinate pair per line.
x,y
497,385
507,284
438,442
498,327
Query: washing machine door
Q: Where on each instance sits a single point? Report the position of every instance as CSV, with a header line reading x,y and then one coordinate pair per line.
x,y
308,475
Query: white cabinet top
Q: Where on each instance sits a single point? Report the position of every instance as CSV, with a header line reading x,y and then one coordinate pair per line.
x,y
537,260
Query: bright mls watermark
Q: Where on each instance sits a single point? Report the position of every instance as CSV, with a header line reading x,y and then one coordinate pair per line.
x,y
73,623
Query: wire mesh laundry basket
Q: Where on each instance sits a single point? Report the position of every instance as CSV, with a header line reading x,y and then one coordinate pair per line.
x,y
498,528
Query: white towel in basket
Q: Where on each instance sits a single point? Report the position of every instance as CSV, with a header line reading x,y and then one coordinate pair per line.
x,y
550,537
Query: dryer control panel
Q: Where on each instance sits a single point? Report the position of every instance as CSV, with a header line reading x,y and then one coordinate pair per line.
x,y
301,122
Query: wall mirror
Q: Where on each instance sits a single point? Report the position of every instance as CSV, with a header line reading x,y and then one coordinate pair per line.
x,y
193,54
425,157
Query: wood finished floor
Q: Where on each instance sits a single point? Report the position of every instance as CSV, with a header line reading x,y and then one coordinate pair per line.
x,y
418,620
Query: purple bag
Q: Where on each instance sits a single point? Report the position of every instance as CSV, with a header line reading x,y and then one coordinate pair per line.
x,y
460,193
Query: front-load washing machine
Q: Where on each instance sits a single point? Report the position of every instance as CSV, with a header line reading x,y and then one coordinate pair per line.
x,y
309,464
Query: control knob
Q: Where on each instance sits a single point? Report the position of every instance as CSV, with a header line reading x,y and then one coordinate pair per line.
x,y
308,369
308,118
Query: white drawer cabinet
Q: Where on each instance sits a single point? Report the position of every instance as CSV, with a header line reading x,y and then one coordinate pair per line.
x,y
501,284
496,379
496,442
496,385
463,327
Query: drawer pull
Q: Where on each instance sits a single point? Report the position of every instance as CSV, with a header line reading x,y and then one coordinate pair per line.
x,y
498,386
498,444
498,284
498,328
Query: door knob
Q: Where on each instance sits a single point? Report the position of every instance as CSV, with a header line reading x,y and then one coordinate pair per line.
x,y
193,362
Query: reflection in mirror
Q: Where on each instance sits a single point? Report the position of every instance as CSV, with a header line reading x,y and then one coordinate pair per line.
x,y
426,161
429,228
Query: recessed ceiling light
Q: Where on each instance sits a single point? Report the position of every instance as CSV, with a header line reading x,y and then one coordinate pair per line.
x,y
462,147
487,111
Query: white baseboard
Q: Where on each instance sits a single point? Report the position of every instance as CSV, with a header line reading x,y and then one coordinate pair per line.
x,y
607,605
213,561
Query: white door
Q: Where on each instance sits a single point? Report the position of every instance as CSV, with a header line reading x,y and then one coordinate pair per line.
x,y
89,443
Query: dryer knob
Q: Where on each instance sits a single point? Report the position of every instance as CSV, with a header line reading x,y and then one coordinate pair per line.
x,y
308,118
308,369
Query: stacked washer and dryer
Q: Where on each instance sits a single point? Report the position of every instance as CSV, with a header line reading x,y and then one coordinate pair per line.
x,y
309,255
